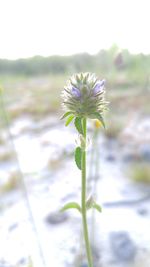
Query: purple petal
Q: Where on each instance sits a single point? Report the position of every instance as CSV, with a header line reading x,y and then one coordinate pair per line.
x,y
76,92
99,87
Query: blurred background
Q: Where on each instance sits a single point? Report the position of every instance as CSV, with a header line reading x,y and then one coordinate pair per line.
x,y
42,44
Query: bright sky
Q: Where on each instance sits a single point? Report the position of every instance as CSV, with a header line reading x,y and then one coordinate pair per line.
x,y
64,27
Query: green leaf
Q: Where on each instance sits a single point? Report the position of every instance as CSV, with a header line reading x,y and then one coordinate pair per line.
x,y
71,117
78,157
71,205
78,124
66,115
90,203
99,117
97,207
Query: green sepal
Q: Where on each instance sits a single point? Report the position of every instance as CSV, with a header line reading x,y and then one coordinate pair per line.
x,y
78,79
81,75
71,205
66,115
78,157
78,124
69,120
99,117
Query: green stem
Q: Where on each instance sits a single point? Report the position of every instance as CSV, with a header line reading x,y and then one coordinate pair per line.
x,y
83,200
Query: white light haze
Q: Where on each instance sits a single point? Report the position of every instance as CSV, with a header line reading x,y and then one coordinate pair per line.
x,y
64,27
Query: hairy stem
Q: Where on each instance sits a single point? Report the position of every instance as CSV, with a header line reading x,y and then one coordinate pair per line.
x,y
83,200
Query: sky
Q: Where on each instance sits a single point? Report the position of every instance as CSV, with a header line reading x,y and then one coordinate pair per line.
x,y
65,27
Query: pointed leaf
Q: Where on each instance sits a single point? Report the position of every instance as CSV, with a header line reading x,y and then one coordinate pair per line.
x,y
78,124
90,203
78,157
66,115
71,205
97,207
71,117
99,117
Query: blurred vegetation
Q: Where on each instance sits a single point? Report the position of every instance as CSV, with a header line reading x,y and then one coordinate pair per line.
x,y
140,172
13,183
6,155
134,69
114,127
33,86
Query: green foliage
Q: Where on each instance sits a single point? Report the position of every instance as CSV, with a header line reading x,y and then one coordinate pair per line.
x,y
97,207
66,115
140,172
71,205
78,157
69,120
13,183
134,69
90,203
78,124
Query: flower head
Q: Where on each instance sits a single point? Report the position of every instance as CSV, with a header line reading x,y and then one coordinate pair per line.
x,y
84,95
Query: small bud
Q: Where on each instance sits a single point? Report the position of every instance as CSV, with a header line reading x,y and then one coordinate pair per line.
x,y
76,92
98,88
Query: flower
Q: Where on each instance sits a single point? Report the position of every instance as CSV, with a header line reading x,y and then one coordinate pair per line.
x,y
83,95
98,124
99,87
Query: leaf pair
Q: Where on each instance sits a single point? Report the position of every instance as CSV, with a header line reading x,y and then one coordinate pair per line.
x,y
89,205
78,120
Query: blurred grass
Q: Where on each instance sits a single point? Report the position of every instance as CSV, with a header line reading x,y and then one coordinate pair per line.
x,y
6,155
140,172
13,183
35,96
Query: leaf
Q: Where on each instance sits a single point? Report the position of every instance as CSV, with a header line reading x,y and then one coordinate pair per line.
x,y
78,124
71,205
78,157
97,207
66,115
99,117
69,120
90,203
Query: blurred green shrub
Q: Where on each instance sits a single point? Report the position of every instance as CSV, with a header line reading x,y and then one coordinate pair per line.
x,y
13,183
140,172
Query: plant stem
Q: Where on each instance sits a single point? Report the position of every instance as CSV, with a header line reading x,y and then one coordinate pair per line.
x,y
83,200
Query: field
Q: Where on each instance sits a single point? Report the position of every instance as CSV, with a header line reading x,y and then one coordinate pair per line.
x,y
37,170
